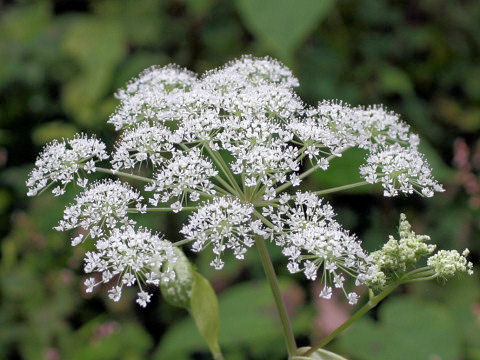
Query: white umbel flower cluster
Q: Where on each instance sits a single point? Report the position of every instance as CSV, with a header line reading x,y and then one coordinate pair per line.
x,y
186,172
400,169
312,239
228,145
61,161
100,208
224,223
131,256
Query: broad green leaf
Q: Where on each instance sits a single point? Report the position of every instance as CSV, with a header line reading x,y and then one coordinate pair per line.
x,y
408,329
178,291
205,313
283,24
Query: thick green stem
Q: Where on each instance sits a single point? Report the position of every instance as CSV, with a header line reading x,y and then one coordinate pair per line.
x,y
274,286
362,311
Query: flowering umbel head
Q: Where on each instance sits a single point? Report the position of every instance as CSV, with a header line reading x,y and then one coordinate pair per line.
x,y
228,146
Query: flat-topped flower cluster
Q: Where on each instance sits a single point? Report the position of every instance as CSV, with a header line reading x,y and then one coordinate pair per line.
x,y
228,146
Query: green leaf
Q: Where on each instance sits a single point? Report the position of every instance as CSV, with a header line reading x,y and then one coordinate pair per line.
x,y
408,329
205,313
178,291
283,24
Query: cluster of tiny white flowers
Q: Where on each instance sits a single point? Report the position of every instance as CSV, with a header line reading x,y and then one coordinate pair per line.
x,y
228,141
312,239
155,96
185,172
400,169
447,263
143,143
60,161
103,205
224,223
131,256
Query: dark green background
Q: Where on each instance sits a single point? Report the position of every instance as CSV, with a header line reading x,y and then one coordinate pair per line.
x,y
61,61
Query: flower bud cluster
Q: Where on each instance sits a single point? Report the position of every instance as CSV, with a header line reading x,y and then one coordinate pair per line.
x,y
448,263
398,258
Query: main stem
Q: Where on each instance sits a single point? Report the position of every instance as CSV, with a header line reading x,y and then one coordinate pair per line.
x,y
274,286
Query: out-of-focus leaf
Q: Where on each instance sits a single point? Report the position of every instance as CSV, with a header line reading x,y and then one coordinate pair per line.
x,y
205,313
25,22
97,46
199,7
110,340
408,329
283,24
396,81
127,14
53,130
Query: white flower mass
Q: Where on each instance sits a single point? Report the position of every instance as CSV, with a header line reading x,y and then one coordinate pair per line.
x,y
228,146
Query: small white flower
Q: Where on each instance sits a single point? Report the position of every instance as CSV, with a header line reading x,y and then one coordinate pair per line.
x,y
326,292
90,283
115,293
400,170
143,298
352,298
184,172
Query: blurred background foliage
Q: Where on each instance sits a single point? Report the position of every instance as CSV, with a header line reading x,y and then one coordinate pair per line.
x,y
61,61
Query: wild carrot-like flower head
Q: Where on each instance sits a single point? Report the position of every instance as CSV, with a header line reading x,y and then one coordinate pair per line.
x,y
228,147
